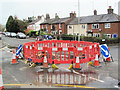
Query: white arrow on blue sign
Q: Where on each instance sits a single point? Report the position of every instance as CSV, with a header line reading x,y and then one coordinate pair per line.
x,y
104,50
18,50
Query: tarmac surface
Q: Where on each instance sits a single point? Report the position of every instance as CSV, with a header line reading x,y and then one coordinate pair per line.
x,y
22,76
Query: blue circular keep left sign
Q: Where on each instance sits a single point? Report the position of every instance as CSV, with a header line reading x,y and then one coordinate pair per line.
x,y
105,51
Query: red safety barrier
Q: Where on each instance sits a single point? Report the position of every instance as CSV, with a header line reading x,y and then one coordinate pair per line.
x,y
61,51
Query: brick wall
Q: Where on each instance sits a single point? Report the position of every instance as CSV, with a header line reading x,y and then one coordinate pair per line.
x,y
114,29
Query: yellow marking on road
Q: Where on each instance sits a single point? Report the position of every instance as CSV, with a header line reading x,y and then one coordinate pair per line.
x,y
3,48
15,84
73,86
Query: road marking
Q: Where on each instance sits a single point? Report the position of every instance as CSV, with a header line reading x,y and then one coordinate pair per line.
x,y
21,69
3,48
15,84
85,75
96,79
15,78
72,86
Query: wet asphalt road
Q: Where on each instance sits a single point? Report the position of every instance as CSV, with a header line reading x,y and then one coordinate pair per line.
x,y
104,77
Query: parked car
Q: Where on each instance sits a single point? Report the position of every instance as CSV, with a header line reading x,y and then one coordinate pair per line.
x,y
12,34
21,35
3,33
7,34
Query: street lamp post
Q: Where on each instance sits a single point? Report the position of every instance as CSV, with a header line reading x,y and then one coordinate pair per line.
x,y
78,20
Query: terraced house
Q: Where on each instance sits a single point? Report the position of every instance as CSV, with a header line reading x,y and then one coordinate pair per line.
x,y
57,25
96,25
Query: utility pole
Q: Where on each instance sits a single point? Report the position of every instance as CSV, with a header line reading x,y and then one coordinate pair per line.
x,y
78,20
73,32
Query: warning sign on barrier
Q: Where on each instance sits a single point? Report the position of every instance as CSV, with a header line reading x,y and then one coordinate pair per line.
x,y
104,51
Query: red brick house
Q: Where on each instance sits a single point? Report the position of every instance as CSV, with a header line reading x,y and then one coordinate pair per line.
x,y
105,24
57,25
47,24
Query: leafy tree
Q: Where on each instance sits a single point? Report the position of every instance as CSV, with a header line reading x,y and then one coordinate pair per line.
x,y
15,25
9,23
21,25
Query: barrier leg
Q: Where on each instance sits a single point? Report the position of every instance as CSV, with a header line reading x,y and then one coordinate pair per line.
x,y
54,66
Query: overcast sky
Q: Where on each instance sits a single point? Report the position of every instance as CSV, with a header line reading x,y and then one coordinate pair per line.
x,y
25,8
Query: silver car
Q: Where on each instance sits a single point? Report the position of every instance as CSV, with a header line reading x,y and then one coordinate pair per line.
x,y
12,34
21,35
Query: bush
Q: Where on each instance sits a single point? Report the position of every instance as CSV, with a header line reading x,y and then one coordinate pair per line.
x,y
92,39
32,33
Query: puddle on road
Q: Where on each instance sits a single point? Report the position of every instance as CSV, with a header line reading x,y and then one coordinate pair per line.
x,y
48,78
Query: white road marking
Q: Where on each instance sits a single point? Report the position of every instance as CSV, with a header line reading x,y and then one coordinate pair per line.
x,y
96,79
21,69
15,78
85,75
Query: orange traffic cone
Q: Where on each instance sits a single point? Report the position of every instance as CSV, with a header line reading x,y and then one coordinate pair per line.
x,y
77,63
96,62
45,64
1,81
16,55
14,61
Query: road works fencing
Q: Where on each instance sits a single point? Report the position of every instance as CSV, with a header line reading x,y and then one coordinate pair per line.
x,y
60,51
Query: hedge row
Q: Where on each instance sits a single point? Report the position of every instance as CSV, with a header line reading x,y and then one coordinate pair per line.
x,y
92,39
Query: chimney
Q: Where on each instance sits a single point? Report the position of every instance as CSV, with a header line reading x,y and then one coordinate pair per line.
x,y
56,16
110,10
39,17
72,15
95,12
47,16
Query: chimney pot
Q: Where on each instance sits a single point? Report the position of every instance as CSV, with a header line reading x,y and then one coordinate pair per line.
x,y
47,16
95,12
110,7
110,10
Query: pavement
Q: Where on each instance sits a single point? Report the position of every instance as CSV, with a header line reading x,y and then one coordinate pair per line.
x,y
22,76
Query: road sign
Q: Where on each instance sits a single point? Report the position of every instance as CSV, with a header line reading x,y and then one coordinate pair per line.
x,y
104,50
18,50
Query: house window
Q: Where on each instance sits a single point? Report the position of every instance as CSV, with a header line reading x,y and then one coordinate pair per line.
x,y
108,35
107,25
70,27
83,26
60,32
46,26
42,26
51,26
114,35
60,26
96,35
95,26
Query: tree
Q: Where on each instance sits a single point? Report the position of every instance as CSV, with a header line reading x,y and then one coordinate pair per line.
x,y
21,25
9,23
15,25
